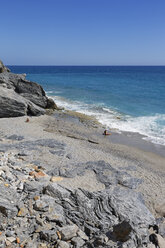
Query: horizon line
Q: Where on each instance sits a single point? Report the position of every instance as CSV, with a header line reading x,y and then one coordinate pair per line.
x,y
84,65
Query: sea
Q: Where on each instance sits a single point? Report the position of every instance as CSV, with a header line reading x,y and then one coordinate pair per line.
x,y
123,98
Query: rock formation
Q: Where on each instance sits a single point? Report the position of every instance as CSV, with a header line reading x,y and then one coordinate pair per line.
x,y
3,68
19,96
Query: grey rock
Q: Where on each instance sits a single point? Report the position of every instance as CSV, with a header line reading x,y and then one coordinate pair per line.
x,y
19,96
8,194
7,208
3,68
62,244
28,147
58,153
15,137
56,214
56,191
77,242
12,104
33,187
41,206
105,173
82,235
162,228
49,235
68,232
98,212
11,239
127,180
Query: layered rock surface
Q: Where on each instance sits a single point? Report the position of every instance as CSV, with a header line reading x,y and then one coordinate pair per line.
x,y
19,96
36,211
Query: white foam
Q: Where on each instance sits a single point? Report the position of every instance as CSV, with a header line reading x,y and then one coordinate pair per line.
x,y
49,92
145,125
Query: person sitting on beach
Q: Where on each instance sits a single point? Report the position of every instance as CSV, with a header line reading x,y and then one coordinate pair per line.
x,y
106,133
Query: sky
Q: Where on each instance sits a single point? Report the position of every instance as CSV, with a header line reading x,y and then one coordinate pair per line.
x,y
82,32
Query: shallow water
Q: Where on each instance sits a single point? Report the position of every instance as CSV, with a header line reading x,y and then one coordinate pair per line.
x,y
127,98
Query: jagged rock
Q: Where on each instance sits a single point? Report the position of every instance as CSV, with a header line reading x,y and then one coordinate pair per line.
x,y
41,206
51,104
68,232
7,208
19,96
82,235
127,180
77,242
62,244
3,68
99,212
33,187
49,235
56,191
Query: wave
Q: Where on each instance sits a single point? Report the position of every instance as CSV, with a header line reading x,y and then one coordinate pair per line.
x,y
151,127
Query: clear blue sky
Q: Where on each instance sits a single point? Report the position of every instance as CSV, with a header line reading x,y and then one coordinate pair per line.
x,y
82,32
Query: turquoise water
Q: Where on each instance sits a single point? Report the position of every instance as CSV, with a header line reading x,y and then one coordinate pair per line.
x,y
127,98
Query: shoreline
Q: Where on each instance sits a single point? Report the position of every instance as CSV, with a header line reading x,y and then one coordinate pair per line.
x,y
130,139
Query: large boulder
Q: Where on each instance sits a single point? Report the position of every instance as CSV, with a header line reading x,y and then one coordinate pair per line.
x,y
116,212
19,96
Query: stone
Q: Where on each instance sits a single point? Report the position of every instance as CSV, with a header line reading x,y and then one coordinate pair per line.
x,y
51,104
56,179
127,180
82,235
62,244
22,212
56,190
3,68
8,200
98,212
77,242
160,208
11,239
121,232
19,96
42,245
41,206
49,235
12,105
68,232
162,229
15,137
161,241
33,187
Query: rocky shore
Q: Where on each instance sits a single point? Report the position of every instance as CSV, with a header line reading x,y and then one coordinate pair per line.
x,y
62,184
19,97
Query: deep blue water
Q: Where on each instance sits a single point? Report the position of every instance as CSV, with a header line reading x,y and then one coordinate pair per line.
x,y
128,98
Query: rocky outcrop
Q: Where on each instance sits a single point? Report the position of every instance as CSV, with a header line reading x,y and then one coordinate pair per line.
x,y
19,96
3,68
37,211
